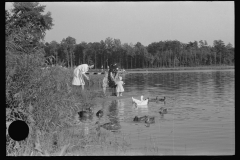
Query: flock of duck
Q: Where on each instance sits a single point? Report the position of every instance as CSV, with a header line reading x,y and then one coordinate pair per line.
x,y
143,102
88,113
146,101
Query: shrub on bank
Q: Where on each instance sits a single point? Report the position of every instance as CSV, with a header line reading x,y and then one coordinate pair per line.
x,y
44,98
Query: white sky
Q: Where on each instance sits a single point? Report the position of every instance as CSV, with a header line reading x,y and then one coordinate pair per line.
x,y
144,22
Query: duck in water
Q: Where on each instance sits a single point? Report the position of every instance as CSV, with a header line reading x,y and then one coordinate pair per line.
x,y
163,110
140,119
109,126
153,99
99,114
162,99
85,114
150,120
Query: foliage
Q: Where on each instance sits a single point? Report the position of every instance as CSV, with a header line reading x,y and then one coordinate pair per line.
x,y
40,95
157,54
28,23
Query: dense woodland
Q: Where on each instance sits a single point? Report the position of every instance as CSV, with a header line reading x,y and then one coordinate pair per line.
x,y
157,54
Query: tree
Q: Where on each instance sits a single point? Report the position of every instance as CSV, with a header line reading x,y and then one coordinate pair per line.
x,y
102,51
109,49
54,50
117,50
96,46
28,15
131,52
85,47
229,54
219,48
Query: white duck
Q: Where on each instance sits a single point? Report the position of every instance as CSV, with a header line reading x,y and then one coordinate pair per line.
x,y
140,102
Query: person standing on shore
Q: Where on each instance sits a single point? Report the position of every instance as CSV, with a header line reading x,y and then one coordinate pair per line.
x,y
105,83
119,88
112,73
79,72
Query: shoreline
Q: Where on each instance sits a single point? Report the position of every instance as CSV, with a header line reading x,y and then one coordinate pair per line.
x,y
182,68
170,69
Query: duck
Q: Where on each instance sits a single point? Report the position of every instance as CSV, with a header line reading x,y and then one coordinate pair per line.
x,y
162,99
89,109
147,124
99,114
150,120
140,102
85,114
110,126
163,110
139,119
136,100
154,99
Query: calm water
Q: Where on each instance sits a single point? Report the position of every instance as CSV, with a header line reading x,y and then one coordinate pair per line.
x,y
200,118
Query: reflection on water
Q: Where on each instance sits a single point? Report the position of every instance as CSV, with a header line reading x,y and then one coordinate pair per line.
x,y
200,118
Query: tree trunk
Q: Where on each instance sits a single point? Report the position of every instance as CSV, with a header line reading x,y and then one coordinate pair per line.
x,y
107,61
56,59
79,61
220,58
142,61
103,61
71,59
131,62
135,61
95,60
126,61
215,58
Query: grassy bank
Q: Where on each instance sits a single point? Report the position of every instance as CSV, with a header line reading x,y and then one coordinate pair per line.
x,y
48,103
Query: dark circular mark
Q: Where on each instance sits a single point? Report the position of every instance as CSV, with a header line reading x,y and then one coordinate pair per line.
x,y
18,130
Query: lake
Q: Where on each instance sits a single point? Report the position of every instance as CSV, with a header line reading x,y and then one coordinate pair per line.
x,y
200,118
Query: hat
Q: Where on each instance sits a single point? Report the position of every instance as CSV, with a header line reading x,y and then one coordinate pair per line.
x,y
90,63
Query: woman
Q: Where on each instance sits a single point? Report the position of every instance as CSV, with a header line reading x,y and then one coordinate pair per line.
x,y
79,72
112,74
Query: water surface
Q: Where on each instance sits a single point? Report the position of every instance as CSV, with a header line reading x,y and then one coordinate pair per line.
x,y
200,118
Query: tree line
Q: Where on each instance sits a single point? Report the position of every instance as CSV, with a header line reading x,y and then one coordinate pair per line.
x,y
157,54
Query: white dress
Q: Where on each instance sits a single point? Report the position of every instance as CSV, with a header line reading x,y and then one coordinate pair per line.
x,y
78,77
119,87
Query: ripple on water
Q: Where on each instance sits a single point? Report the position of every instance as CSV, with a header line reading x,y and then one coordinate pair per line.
x,y
200,116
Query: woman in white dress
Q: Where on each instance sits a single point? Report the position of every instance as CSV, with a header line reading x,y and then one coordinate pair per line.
x,y
79,72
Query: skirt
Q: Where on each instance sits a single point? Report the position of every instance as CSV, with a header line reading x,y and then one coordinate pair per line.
x,y
112,84
78,80
119,88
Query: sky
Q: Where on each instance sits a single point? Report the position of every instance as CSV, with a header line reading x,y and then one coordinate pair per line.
x,y
144,22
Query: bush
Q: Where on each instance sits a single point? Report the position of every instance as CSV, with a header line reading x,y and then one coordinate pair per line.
x,y
42,97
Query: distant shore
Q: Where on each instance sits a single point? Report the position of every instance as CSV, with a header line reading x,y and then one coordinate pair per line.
x,y
182,68
174,69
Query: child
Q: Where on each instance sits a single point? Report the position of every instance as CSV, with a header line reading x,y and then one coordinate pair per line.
x,y
105,82
119,88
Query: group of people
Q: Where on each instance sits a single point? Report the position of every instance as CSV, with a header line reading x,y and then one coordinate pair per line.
x,y
111,78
